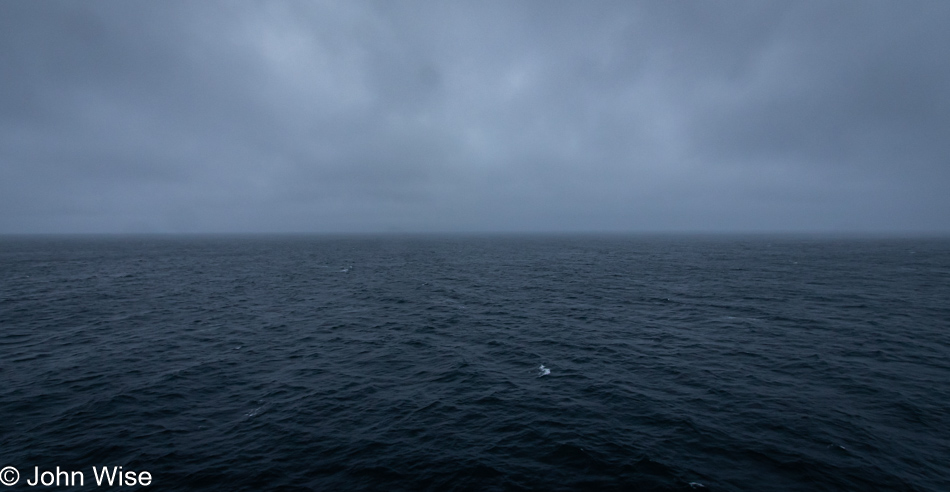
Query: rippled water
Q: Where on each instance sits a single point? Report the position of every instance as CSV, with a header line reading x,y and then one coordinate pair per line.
x,y
401,363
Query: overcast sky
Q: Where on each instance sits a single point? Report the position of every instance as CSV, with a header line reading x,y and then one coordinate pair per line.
x,y
509,116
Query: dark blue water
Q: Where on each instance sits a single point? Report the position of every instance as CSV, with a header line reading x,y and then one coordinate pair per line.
x,y
400,363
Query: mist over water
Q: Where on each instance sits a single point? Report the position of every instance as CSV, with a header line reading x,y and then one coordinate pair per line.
x,y
480,363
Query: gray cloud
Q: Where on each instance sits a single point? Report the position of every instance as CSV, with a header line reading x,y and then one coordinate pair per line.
x,y
474,116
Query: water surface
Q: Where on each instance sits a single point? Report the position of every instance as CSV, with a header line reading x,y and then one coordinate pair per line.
x,y
413,363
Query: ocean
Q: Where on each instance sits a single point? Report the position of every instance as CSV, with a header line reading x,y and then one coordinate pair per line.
x,y
711,363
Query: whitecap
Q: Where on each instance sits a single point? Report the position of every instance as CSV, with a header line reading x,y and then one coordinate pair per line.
x,y
543,371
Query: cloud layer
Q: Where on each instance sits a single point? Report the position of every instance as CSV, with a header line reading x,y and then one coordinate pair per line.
x,y
474,116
